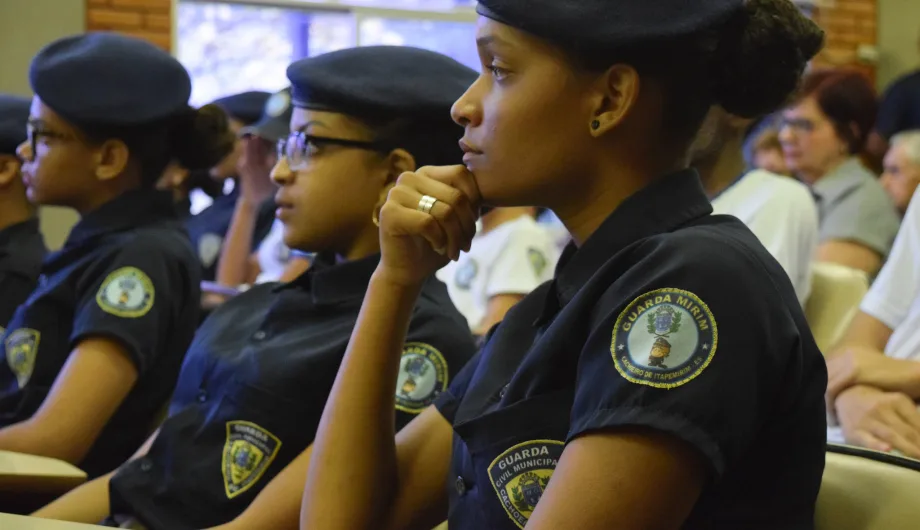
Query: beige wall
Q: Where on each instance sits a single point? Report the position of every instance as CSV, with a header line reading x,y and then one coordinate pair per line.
x,y
26,26
899,30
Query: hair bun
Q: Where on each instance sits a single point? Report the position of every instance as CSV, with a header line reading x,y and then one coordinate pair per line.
x,y
201,138
761,55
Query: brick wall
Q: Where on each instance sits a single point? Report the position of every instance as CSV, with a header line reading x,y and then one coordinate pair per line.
x,y
849,24
147,19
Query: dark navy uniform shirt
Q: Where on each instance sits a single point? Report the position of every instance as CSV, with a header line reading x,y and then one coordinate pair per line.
x,y
666,318
254,384
127,273
208,229
22,250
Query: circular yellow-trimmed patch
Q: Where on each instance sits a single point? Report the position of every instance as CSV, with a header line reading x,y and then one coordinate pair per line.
x,y
127,293
422,377
664,339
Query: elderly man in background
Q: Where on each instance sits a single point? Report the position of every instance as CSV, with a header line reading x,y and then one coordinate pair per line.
x,y
902,168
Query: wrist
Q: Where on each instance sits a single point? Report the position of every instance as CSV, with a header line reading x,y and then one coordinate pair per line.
x,y
394,284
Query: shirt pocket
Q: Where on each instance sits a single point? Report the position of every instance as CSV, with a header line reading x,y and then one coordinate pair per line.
x,y
503,460
249,437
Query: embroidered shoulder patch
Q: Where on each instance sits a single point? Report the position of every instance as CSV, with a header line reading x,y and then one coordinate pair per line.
x,y
520,476
537,261
209,246
664,339
248,452
466,273
422,377
21,350
126,293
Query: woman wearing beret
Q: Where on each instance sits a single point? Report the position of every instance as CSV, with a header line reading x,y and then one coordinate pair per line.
x,y
648,384
235,447
92,355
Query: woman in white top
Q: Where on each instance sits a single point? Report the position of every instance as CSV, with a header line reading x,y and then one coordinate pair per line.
x,y
510,256
874,375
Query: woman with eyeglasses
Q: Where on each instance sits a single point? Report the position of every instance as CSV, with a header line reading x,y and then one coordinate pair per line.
x,y
824,132
92,355
646,386
236,445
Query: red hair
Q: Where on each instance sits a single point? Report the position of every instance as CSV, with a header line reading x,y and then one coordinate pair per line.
x,y
848,99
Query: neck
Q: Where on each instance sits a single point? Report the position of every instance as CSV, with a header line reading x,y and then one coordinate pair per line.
x,y
720,170
14,210
365,245
811,177
500,216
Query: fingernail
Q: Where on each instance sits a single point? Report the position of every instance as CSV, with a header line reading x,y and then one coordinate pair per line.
x,y
442,251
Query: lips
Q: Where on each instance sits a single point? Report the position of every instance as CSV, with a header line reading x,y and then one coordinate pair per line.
x,y
468,149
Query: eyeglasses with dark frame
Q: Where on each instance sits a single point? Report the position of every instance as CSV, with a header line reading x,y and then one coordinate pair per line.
x,y
296,147
36,129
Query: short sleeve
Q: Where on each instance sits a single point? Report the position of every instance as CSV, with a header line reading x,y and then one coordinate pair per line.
x,y
787,225
898,284
892,111
865,216
694,350
438,347
526,260
132,296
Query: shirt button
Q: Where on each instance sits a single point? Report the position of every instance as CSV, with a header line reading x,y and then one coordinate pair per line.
x,y
202,396
461,486
146,466
259,335
502,392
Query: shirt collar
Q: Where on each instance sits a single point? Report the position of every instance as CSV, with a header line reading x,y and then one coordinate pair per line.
x,y
332,283
840,181
130,210
662,206
10,233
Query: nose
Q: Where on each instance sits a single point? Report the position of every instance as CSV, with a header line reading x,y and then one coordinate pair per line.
x,y
24,151
467,111
281,173
785,135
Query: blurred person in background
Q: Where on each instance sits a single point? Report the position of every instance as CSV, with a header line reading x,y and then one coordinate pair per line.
x,y
780,211
899,111
21,245
93,354
511,256
208,228
768,153
823,133
902,168
874,372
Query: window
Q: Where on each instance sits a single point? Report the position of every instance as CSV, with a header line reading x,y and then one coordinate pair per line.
x,y
233,47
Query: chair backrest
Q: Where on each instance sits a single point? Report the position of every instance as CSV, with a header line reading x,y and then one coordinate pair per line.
x,y
867,490
836,292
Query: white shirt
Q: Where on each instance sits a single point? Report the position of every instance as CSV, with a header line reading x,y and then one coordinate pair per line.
x,y
513,258
894,298
782,213
273,254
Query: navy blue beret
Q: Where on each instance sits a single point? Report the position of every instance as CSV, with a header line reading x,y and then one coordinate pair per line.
x,y
608,24
109,79
14,114
380,82
275,123
246,107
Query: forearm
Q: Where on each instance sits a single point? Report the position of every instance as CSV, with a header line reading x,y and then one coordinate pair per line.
x,y
353,468
28,437
87,504
897,375
233,267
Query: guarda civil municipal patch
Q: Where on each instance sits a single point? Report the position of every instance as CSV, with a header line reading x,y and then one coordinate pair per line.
x,y
21,350
127,293
664,339
520,476
248,452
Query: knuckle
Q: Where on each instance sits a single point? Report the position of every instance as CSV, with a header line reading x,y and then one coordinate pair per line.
x,y
405,178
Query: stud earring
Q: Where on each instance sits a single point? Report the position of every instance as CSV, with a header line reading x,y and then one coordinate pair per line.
x,y
595,125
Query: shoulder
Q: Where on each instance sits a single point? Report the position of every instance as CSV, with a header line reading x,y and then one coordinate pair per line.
x,y
784,192
167,242
904,85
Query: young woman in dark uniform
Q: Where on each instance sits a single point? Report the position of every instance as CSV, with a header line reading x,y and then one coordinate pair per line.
x,y
21,245
650,383
235,447
92,355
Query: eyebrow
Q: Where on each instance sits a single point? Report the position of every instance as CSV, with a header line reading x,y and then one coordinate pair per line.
x,y
488,40
36,122
303,128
